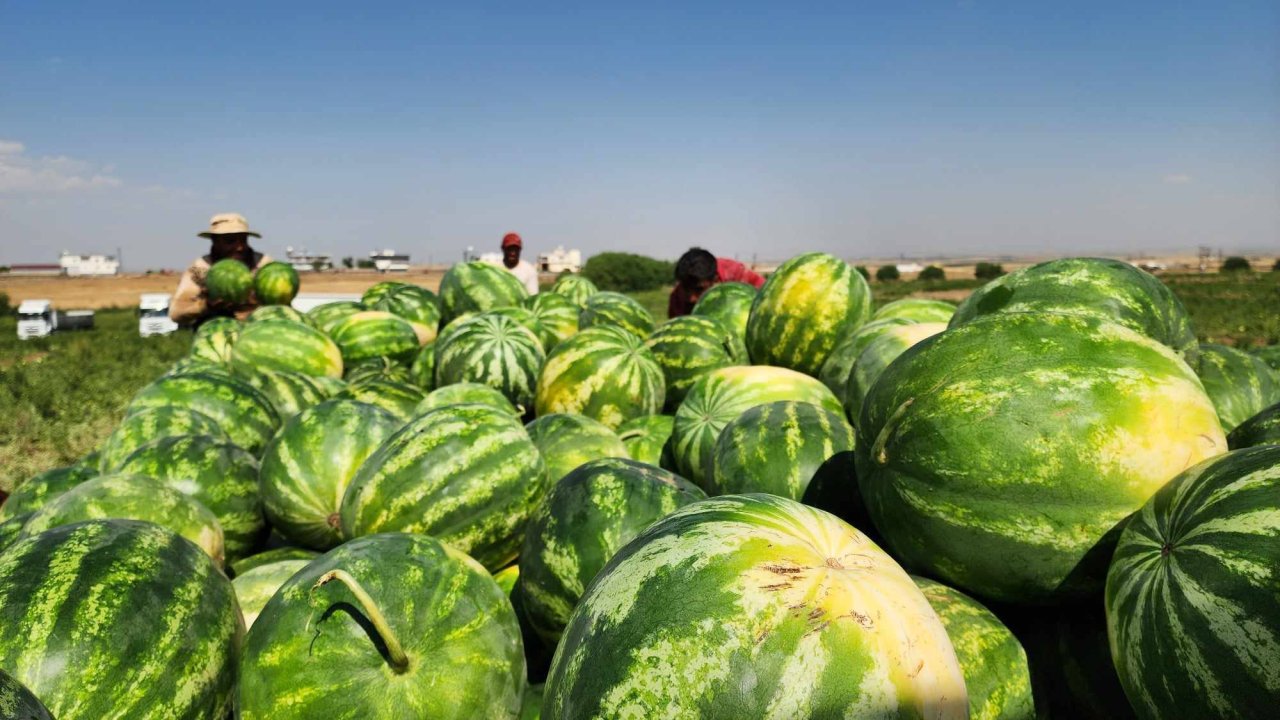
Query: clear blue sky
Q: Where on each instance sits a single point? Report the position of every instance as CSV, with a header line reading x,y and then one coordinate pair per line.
x,y
866,129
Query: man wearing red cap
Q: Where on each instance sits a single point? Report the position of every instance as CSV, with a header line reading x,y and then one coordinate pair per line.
x,y
524,272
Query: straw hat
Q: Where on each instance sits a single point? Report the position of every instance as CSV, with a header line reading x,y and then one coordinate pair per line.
x,y
228,224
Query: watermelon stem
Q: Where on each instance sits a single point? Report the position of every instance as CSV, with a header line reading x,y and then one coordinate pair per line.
x,y
878,453
395,654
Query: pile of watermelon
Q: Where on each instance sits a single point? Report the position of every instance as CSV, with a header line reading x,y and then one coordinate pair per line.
x,y
790,504
231,283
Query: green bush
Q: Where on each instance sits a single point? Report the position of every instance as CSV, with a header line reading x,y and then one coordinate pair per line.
x,y
864,272
1276,267
933,272
1235,263
627,272
5,307
887,273
988,271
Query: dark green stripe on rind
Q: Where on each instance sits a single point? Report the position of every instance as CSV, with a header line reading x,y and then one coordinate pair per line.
x,y
17,702
1239,384
243,413
1261,429
605,373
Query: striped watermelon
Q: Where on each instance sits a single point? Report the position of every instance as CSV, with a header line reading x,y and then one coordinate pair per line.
x,y
399,399
243,413
836,370
687,348
1000,454
586,517
556,315
229,281
17,702
289,346
916,310
722,395
214,340
255,587
327,316
753,606
276,283
11,529
567,441
493,350
1269,355
387,626
411,302
276,312
804,309
730,304
465,394
423,370
474,287
221,476
146,426
1193,604
646,438
131,497
527,320
378,369
119,620
36,491
289,392
575,288
877,355
605,373
613,309
373,334
1240,385
1261,429
310,462
267,557
1095,287
467,474
992,660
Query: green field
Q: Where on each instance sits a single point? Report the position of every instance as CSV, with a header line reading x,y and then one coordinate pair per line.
x,y
61,396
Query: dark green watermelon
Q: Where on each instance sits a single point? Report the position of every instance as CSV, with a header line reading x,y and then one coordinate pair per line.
x,y
214,338
605,373
574,288
411,302
11,529
147,426
400,399
1261,429
1241,385
244,414
491,349
373,334
556,315
284,345
36,491
567,441
229,281
276,283
730,304
687,348
474,287
289,392
17,702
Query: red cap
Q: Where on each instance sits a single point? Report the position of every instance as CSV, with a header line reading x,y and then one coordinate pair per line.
x,y
511,240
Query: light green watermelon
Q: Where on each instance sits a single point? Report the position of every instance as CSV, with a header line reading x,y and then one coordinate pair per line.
x,y
507,577
281,345
494,350
877,355
147,426
399,399
567,441
687,348
327,316
730,304
466,393
836,370
605,373
276,312
916,310
1239,384
374,334
255,587
1269,354
474,287
575,288
276,283
616,310
289,392
229,281
646,438
411,302
266,557
1261,429
556,315
243,413
214,339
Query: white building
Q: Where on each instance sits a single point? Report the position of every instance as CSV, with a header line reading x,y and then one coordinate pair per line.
x,y
911,267
304,261
389,261
560,260
74,265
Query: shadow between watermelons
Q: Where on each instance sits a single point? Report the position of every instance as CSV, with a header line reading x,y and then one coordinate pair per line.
x,y
834,488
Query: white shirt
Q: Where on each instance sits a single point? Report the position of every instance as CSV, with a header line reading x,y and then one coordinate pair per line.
x,y
525,273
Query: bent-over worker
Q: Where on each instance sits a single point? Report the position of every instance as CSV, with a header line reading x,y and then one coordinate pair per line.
x,y
696,271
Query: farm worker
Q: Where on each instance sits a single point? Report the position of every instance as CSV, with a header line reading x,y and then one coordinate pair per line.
x,y
524,272
229,235
698,270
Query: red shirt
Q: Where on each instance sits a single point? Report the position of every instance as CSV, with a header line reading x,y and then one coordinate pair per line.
x,y
727,270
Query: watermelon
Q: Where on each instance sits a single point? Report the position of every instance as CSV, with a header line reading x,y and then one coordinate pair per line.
x,y
730,304
916,310
214,339
474,287
531,706
567,441
187,365
992,660
687,348
387,626
290,346
17,702
605,373
423,370
836,370
1239,384
556,315
507,577
575,288
1072,675
586,517
616,310
277,312
131,497
1269,355
493,350
646,438
267,557
11,529
527,320
36,491
244,413
803,309
791,449
327,316
397,398
221,476
310,462
378,369
877,355
229,281
117,619
145,426
411,302
999,455
722,395
289,392
1261,429
1193,606
467,474
255,587
373,334
753,606
276,283
465,394
1095,287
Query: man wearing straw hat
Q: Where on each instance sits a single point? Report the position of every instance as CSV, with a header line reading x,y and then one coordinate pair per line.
x,y
229,235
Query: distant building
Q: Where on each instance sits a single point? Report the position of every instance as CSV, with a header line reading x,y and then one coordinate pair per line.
x,y
911,267
77,265
305,261
389,261
560,260
35,269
